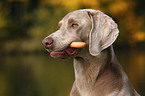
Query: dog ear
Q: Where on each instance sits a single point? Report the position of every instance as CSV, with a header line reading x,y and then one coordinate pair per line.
x,y
103,33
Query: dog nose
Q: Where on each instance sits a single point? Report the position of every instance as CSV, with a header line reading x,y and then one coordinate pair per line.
x,y
47,42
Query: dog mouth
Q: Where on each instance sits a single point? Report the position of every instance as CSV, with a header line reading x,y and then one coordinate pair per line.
x,y
69,51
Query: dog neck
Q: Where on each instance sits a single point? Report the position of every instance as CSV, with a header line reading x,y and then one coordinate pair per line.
x,y
88,68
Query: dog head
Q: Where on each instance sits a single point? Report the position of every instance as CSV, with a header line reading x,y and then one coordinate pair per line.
x,y
93,27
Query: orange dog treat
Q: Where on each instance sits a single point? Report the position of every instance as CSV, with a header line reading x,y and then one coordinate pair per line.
x,y
78,44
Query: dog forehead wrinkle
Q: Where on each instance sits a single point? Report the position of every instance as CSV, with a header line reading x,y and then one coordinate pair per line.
x,y
70,20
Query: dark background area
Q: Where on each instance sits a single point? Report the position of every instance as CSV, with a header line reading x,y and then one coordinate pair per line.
x,y
26,69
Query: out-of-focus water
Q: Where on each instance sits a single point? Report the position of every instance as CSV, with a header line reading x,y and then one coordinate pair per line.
x,y
41,75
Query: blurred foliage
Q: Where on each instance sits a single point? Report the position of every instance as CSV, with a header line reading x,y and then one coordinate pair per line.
x,y
24,23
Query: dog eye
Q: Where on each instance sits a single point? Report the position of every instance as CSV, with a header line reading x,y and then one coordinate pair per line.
x,y
74,25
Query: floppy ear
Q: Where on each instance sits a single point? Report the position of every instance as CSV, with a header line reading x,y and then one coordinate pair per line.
x,y
103,33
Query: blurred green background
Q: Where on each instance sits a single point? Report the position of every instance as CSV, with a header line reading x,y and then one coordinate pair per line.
x,y
26,69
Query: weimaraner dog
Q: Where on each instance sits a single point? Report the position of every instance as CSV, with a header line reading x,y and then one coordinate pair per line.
x,y
97,71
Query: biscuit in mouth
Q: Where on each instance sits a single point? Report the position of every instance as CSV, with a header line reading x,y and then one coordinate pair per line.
x,y
78,44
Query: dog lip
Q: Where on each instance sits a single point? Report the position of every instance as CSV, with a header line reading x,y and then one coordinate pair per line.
x,y
63,53
58,54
